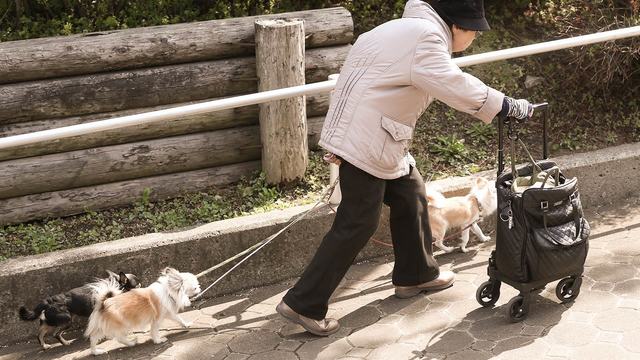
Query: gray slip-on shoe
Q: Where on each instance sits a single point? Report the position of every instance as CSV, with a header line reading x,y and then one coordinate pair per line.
x,y
445,280
324,327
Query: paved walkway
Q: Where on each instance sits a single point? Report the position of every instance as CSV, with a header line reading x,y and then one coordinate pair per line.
x,y
603,323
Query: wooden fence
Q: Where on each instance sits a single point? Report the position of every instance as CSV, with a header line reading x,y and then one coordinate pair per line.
x,y
55,82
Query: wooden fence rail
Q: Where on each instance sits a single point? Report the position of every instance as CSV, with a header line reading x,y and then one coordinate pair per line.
x,y
62,81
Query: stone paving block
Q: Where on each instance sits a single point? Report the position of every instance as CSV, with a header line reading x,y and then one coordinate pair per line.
x,y
369,271
529,330
437,306
262,309
587,283
618,320
602,286
390,319
611,272
495,328
343,332
394,351
423,322
450,342
463,325
483,345
595,302
629,246
470,355
578,316
355,286
609,337
269,294
599,324
629,303
470,278
458,292
364,316
375,335
479,313
195,347
420,340
559,351
255,342
359,353
628,288
225,306
462,309
631,341
275,323
324,348
245,320
572,334
600,351
427,356
521,347
394,305
224,337
236,356
274,355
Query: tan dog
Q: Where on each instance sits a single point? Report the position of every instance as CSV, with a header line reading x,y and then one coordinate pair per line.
x,y
116,314
460,212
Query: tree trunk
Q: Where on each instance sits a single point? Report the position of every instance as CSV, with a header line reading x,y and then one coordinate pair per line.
x,y
106,196
108,164
280,63
129,161
30,101
156,45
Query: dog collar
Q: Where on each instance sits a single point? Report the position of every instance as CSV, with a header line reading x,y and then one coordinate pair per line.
x,y
480,212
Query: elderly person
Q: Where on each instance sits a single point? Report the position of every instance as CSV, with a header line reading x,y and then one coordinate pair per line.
x,y
390,76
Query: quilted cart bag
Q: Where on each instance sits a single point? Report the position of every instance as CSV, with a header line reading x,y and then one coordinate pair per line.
x,y
541,234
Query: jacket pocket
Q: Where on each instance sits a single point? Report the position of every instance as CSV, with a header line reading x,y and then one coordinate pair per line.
x,y
391,142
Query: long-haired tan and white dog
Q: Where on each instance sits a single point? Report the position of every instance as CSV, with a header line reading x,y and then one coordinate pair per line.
x,y
116,314
460,212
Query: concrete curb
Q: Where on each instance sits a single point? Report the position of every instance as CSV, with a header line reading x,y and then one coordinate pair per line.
x,y
605,176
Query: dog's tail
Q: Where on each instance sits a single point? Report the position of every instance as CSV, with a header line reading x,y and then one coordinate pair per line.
x,y
28,315
101,291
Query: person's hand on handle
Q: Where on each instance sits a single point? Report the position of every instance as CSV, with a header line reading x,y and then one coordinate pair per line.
x,y
519,109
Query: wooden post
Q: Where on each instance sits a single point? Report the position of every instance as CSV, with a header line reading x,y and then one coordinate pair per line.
x,y
283,127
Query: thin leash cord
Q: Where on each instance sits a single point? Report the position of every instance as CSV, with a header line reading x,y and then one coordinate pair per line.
x,y
255,248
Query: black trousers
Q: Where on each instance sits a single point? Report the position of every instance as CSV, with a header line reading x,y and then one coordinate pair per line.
x,y
355,222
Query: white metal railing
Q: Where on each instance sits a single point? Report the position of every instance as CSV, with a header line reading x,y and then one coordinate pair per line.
x,y
271,95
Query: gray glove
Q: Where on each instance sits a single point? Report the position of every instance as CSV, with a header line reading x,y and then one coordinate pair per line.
x,y
519,109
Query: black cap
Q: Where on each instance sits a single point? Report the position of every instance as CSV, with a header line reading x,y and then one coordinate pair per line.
x,y
467,14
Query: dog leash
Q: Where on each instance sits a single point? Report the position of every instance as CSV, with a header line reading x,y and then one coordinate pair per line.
x,y
255,248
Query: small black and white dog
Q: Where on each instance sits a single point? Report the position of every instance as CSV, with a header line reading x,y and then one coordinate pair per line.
x,y
56,312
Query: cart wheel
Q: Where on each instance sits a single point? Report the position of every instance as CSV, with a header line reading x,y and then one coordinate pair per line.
x,y
568,289
488,293
516,310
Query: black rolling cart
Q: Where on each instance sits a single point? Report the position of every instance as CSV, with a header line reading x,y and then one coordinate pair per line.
x,y
541,235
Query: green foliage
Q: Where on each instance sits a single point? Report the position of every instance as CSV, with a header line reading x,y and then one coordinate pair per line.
x,y
481,133
249,196
61,17
449,149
